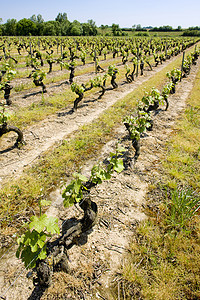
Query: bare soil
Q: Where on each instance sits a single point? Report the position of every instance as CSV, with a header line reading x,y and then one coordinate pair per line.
x,y
99,254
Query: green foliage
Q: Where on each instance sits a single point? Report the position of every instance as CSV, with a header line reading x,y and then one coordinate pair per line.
x,y
76,88
31,247
4,115
135,61
167,89
32,244
73,193
50,58
112,70
38,75
75,28
98,81
89,28
146,101
150,98
191,33
32,62
156,95
7,74
138,124
25,27
99,174
183,205
115,163
187,64
128,69
83,55
51,28
175,73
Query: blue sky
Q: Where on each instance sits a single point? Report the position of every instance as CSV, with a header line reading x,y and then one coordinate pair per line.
x,y
125,13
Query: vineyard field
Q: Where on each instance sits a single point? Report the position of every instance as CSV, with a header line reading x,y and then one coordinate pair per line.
x,y
68,100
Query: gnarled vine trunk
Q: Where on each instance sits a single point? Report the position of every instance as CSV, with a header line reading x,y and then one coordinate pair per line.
x,y
72,74
77,100
7,89
135,142
165,97
113,82
153,106
57,258
39,82
5,128
136,146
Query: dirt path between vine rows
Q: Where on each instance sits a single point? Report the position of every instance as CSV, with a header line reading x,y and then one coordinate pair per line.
x,y
96,257
48,133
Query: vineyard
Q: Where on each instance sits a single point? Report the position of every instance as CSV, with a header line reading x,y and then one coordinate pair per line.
x,y
85,124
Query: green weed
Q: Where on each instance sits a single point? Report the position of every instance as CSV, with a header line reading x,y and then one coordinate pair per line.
x,y
182,205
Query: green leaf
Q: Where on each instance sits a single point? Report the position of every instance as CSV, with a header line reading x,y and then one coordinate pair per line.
x,y
32,244
98,174
29,258
39,224
120,149
42,254
80,176
52,226
42,240
119,166
33,240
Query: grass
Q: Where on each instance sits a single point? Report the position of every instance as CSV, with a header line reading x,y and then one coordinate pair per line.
x,y
162,264
183,160
163,260
36,112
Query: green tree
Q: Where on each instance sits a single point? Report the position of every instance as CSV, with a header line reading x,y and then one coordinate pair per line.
x,y
134,27
75,28
10,27
65,27
33,18
51,28
89,28
64,23
61,17
116,30
138,27
39,22
103,27
26,27
93,27
38,19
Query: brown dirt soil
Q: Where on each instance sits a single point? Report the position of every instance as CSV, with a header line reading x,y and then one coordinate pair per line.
x,y
97,255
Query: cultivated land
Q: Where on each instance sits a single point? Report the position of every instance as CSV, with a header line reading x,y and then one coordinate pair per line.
x,y
59,142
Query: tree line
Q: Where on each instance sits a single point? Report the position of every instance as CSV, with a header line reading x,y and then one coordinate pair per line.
x,y
36,26
61,26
